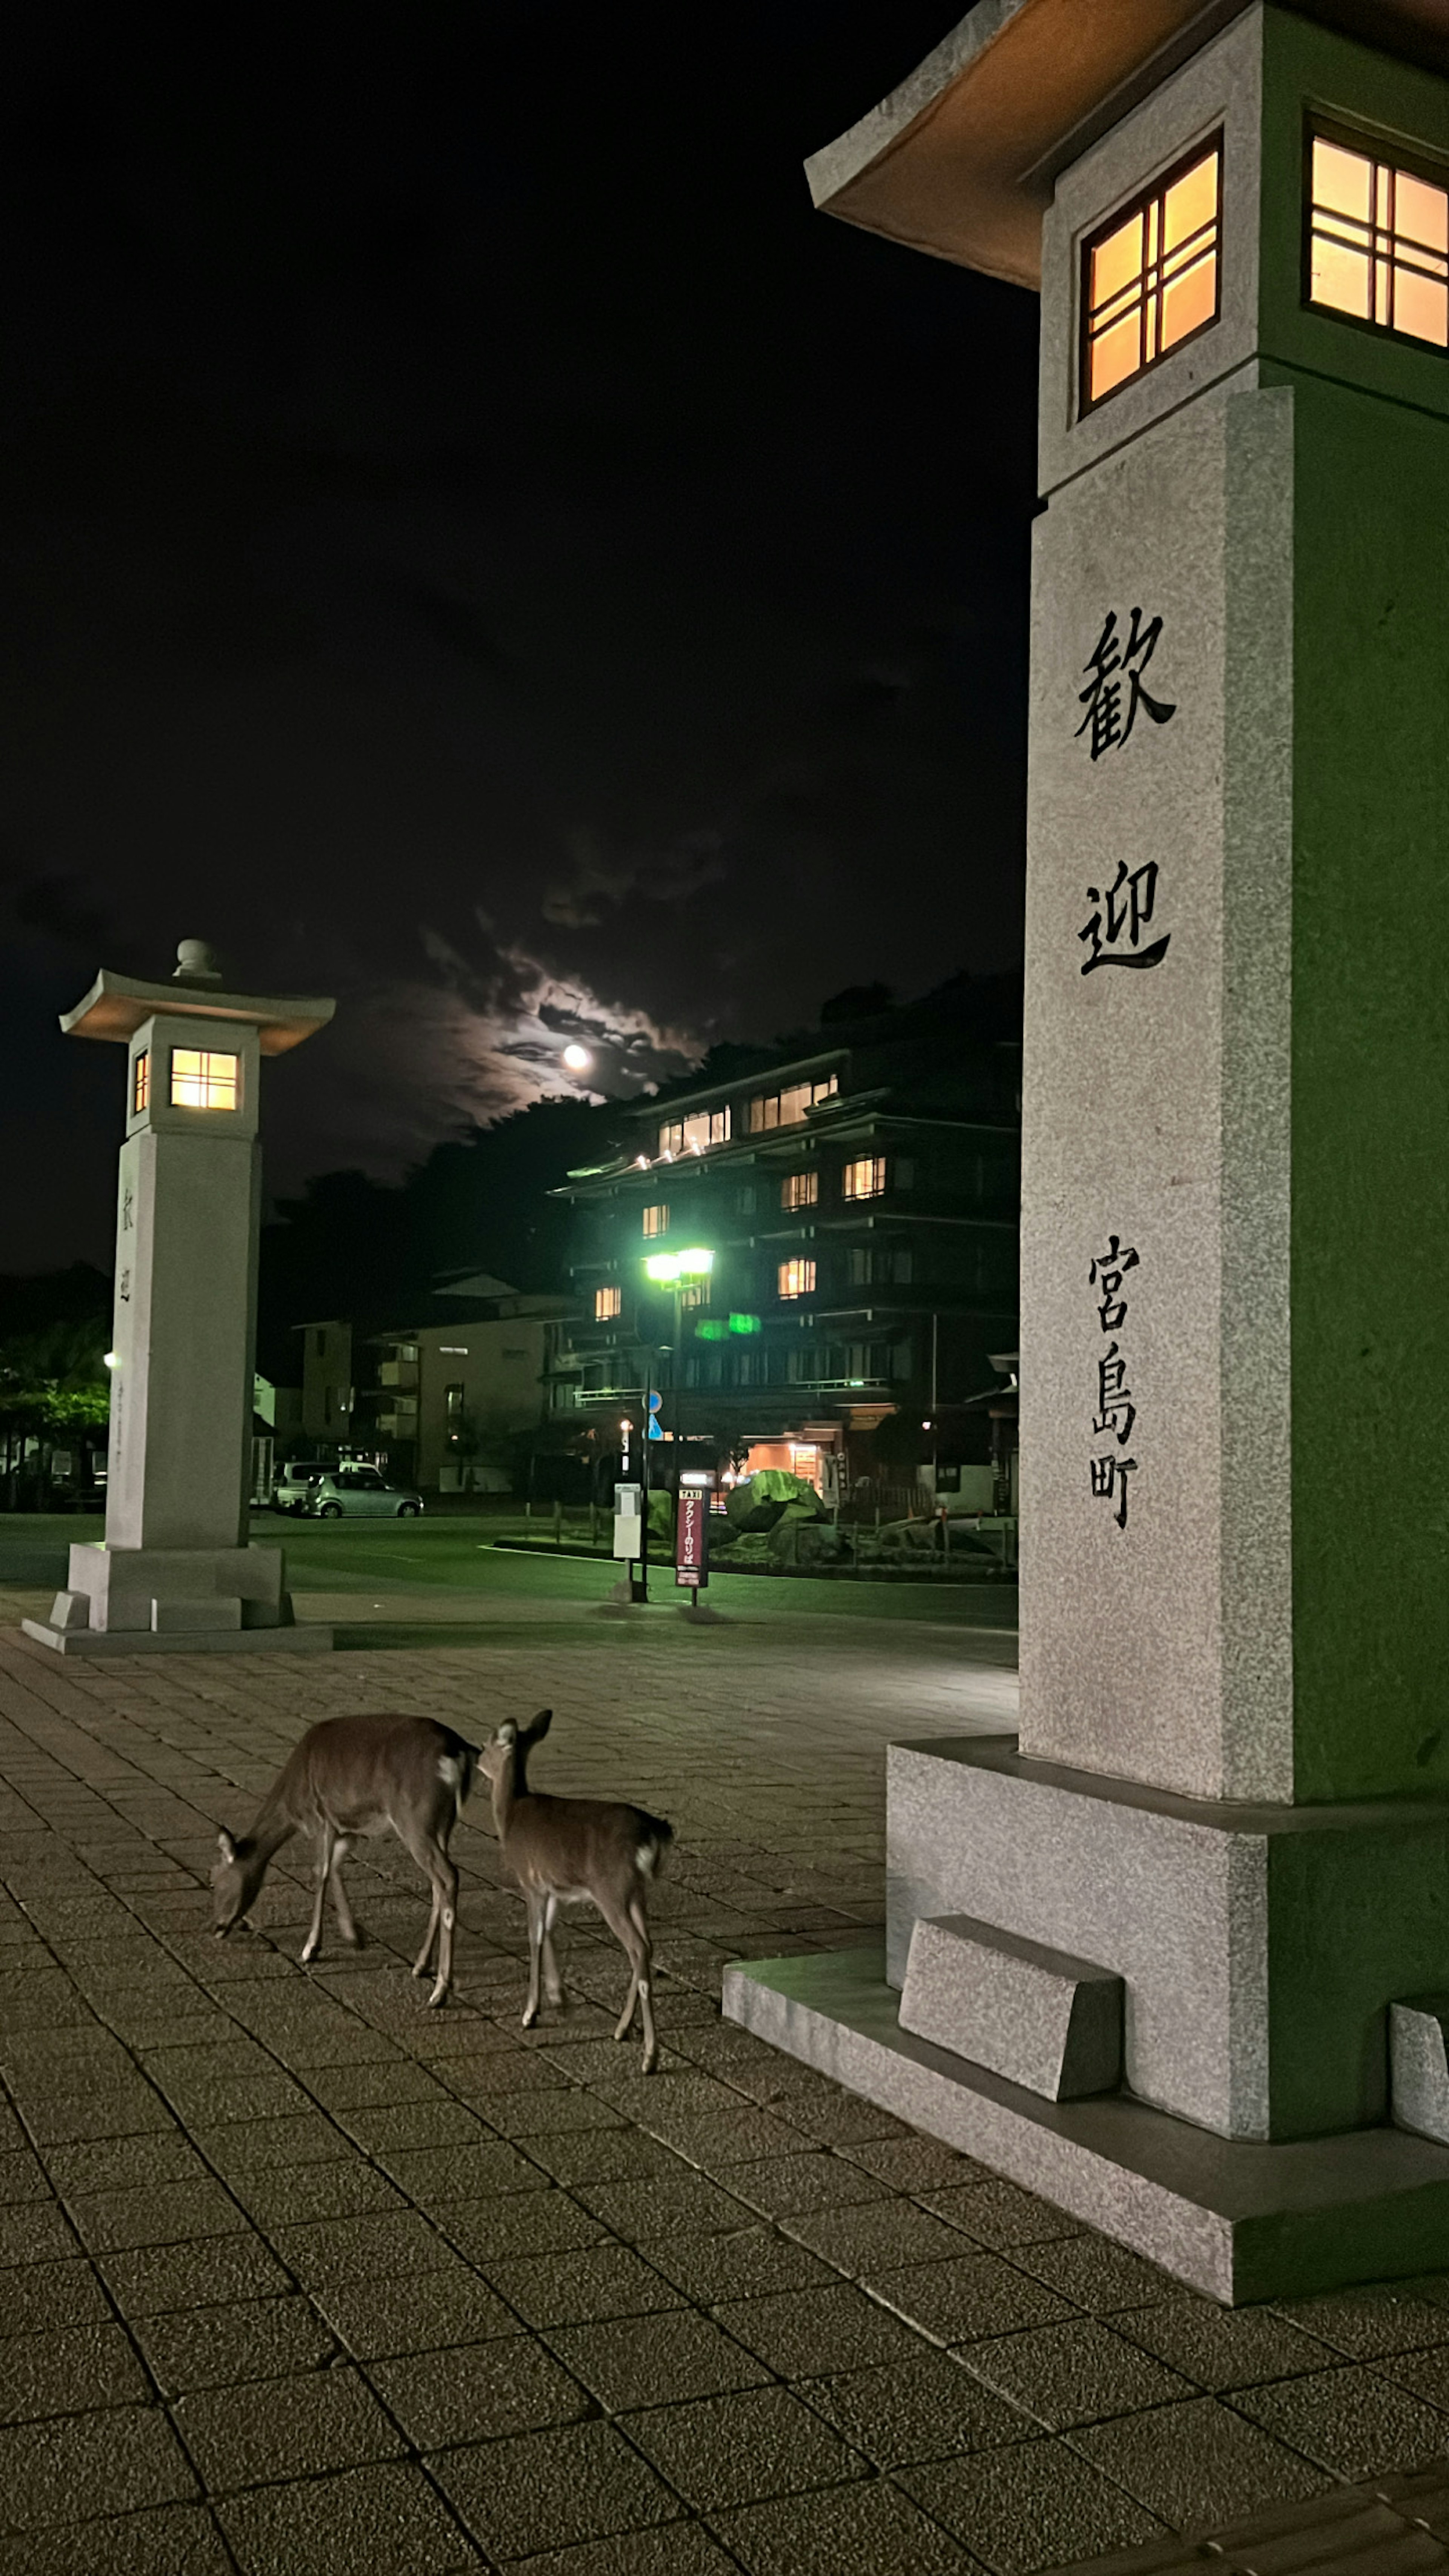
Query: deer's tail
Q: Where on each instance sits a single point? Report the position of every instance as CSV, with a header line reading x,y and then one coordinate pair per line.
x,y
655,1837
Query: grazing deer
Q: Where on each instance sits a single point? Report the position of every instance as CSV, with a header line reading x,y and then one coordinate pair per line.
x,y
350,1776
568,1851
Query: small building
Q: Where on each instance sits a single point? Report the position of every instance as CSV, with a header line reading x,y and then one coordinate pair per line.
x,y
858,1199
451,1400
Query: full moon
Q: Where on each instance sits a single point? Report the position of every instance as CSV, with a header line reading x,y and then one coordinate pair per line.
x,y
577,1058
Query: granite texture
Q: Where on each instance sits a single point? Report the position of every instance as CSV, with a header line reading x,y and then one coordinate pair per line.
x,y
1419,2066
1238,2220
1040,2018
1260,1946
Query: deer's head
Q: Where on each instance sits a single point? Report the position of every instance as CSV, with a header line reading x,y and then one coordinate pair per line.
x,y
511,1744
235,1881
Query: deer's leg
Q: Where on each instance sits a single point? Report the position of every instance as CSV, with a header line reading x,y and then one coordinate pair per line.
x,y
424,1958
552,1982
445,1900
346,1927
630,1928
313,1942
535,1946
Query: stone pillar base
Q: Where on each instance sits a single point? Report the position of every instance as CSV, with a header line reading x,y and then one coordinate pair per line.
x,y
95,1644
1234,2218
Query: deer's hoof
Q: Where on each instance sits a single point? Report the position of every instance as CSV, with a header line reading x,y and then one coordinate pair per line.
x,y
530,2018
439,1995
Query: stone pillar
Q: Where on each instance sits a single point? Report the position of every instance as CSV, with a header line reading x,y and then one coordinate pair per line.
x,y
176,1569
1231,1787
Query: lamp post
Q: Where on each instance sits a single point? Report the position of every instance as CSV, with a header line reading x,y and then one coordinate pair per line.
x,y
677,1270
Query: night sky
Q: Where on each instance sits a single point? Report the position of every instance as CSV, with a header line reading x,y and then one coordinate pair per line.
x,y
476,543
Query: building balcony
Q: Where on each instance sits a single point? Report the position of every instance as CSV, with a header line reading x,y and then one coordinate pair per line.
x,y
398,1373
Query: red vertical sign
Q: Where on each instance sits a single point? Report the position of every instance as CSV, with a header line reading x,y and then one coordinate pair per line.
x,y
691,1536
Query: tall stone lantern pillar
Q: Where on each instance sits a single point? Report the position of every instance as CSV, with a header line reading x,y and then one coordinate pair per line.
x,y
1178,1957
176,1569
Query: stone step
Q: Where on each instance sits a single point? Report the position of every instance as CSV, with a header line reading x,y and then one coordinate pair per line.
x,y
1037,2016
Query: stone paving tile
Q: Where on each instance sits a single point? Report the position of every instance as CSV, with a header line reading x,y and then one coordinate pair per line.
x,y
273,2197
1030,2507
366,2522
124,2164
356,2249
1197,2463
878,2235
926,2407
1073,2374
600,2281
1352,2420
742,2448
204,2273
913,2164
1397,2316
682,2199
128,2457
271,2429
600,2155
35,2232
522,2222
679,2549
172,2540
68,2372
646,2361
859,2530
436,2177
810,2332
1221,2348
739,2263
164,2214
1094,2274
1425,2373
478,2392
247,2339
37,2296
971,2296
790,2186
241,2147
543,2490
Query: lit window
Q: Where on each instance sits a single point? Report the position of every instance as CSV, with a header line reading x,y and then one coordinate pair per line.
x,y
787,1108
203,1081
864,1180
797,1278
801,1190
607,1303
692,1135
1150,278
141,1083
656,1220
698,1295
1378,243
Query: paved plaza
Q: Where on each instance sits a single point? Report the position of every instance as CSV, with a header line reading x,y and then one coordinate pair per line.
x,y
302,2277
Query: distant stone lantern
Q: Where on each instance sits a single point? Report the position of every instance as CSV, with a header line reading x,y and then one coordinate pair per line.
x,y
176,1569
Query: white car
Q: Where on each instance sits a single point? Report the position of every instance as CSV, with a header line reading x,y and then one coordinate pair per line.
x,y
295,1482
362,1490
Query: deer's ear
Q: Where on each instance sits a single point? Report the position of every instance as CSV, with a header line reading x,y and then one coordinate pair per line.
x,y
228,1847
538,1726
507,1734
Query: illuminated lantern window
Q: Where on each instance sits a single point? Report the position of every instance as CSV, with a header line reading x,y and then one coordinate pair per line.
x,y
607,1303
1378,243
1150,278
787,1108
200,1080
797,1278
864,1180
801,1190
141,1082
656,1220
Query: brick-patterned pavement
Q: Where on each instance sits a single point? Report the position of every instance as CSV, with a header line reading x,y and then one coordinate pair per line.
x,y
300,2277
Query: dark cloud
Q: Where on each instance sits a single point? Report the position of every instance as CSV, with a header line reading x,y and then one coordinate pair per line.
x,y
476,543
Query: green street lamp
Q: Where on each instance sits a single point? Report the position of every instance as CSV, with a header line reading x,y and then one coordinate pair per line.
x,y
677,1270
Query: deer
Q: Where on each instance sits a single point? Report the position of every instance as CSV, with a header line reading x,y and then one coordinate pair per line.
x,y
351,1776
569,1851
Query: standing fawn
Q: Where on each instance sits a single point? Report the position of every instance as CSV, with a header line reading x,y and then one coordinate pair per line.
x,y
569,1851
350,1776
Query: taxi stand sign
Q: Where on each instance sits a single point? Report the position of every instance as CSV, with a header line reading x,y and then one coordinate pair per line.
x,y
691,1533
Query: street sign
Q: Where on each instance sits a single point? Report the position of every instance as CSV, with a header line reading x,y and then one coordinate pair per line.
x,y
655,1401
628,1521
691,1536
